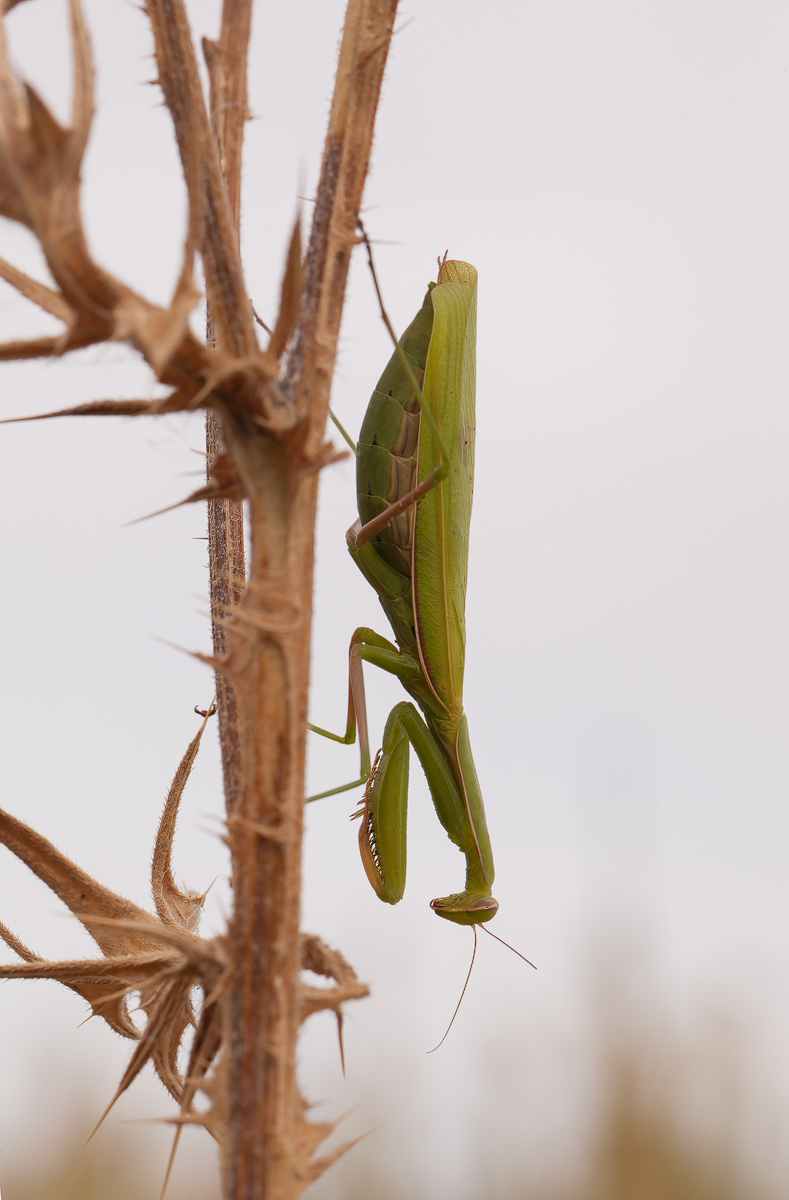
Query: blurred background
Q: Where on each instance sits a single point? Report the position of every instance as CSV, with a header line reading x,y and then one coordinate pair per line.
x,y
618,174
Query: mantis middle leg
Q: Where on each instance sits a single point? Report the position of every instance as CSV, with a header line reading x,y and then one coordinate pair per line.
x,y
366,645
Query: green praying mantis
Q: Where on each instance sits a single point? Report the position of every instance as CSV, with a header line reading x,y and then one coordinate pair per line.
x,y
415,476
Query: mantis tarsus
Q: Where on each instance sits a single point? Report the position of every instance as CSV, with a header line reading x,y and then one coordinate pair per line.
x,y
415,473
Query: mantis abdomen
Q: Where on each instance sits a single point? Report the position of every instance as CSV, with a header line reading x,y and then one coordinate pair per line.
x,y
386,453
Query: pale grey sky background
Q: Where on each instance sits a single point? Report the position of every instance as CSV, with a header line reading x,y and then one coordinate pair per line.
x,y
617,171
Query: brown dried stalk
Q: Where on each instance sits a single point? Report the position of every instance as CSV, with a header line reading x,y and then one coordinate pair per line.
x,y
269,448
226,60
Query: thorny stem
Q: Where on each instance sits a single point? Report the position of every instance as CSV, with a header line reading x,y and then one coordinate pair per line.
x,y
226,570
227,67
270,1144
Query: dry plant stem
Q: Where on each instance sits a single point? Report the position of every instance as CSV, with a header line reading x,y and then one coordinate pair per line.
x,y
232,323
227,571
227,68
270,1145
180,81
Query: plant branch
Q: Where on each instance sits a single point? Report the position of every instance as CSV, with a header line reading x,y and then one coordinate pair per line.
x,y
211,222
227,69
269,1154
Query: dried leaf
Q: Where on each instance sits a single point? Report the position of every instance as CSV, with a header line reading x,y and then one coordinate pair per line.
x,y
205,1047
43,347
80,892
290,296
156,332
45,297
319,958
126,971
175,402
17,946
310,1135
84,79
175,907
102,998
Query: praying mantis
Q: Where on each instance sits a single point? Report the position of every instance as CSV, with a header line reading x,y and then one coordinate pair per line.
x,y
415,475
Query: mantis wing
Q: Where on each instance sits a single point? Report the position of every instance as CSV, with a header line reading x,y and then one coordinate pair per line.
x,y
443,516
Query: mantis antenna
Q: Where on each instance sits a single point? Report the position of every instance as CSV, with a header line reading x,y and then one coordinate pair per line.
x,y
509,947
462,994
465,985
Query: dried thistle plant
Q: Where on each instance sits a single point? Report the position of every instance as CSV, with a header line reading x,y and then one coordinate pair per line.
x,y
266,415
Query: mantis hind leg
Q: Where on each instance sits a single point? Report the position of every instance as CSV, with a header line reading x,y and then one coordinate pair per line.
x,y
382,836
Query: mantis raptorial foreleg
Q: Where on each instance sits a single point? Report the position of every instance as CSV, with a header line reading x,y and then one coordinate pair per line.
x,y
382,836
383,832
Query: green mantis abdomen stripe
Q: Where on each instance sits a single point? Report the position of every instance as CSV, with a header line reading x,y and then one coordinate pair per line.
x,y
389,440
389,476
392,423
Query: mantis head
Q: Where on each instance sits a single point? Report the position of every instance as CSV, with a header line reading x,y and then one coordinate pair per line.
x,y
465,909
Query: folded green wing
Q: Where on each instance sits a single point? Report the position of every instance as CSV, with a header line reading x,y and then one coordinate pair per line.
x,y
440,545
